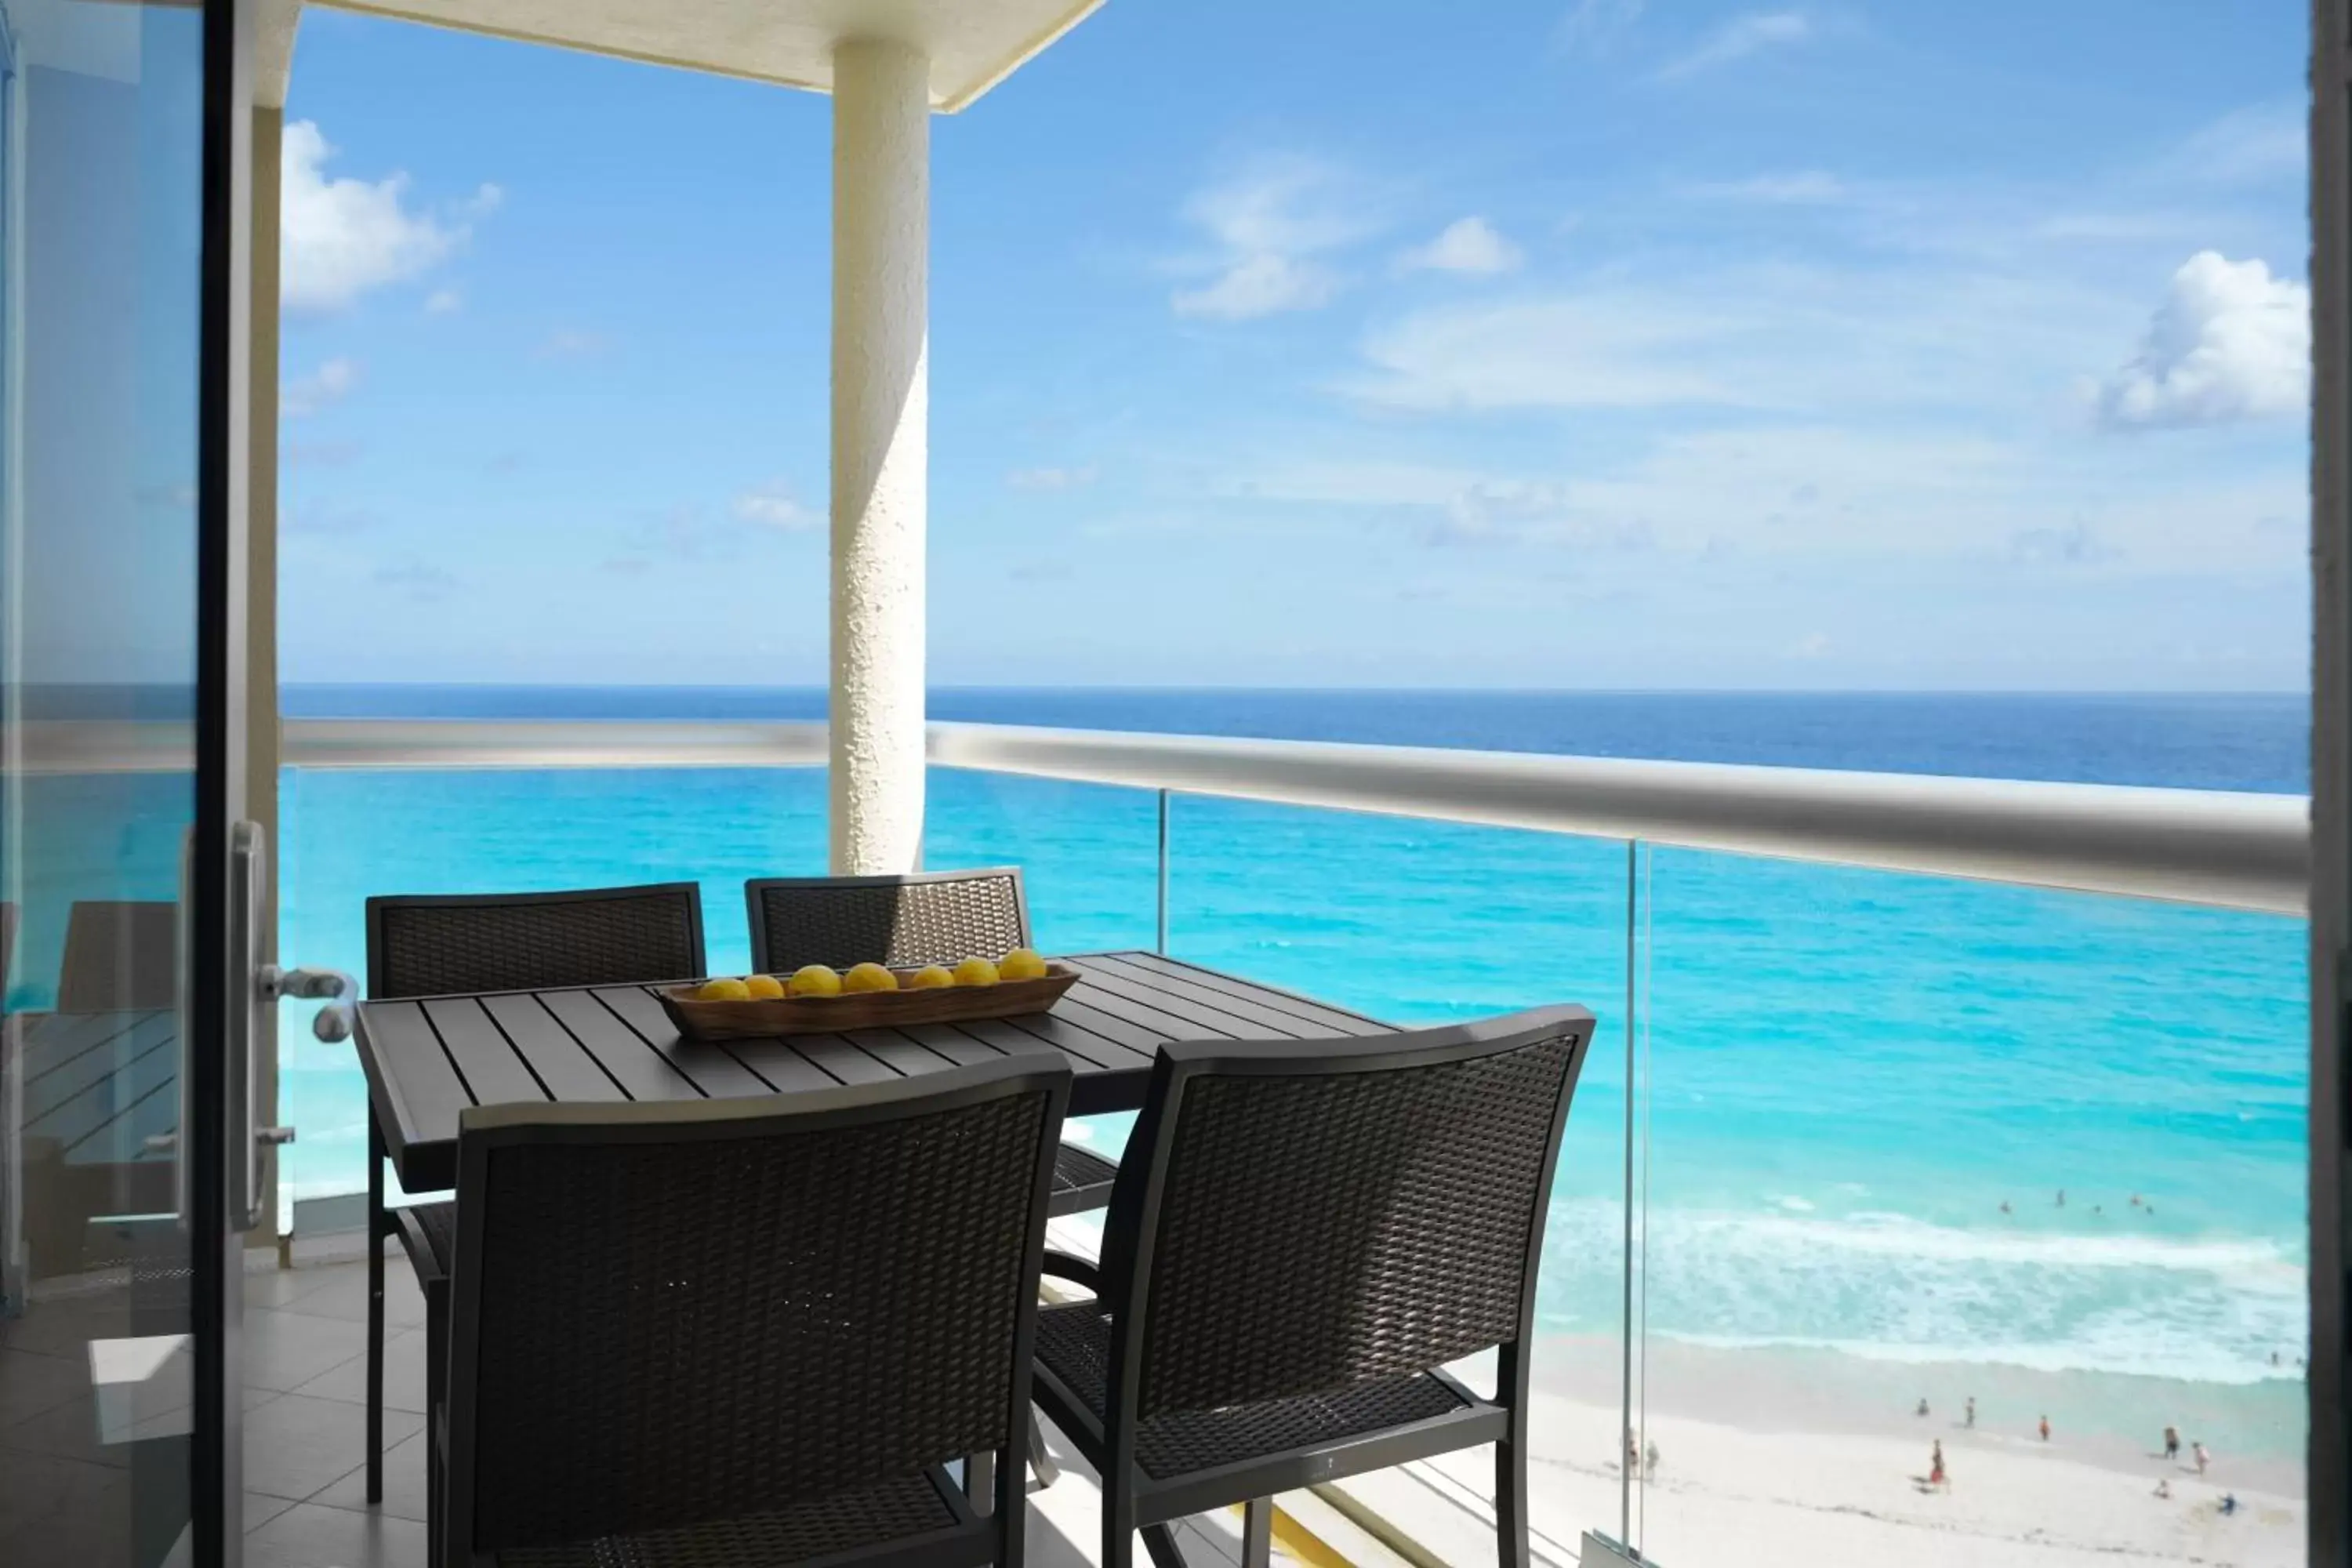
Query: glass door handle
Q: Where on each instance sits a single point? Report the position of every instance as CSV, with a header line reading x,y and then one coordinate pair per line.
x,y
331,1022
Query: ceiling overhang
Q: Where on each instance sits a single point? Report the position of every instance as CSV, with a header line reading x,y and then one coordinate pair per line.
x,y
972,44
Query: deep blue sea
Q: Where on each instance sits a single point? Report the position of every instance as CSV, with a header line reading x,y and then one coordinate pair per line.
x,y
1842,1075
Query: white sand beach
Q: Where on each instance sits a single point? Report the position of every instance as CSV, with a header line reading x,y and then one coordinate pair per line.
x,y
1730,1488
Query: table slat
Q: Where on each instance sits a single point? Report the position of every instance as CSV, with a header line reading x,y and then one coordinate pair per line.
x,y
894,1050
783,1067
642,1072
494,1075
1325,1019
569,1072
1083,1008
1088,1053
954,1044
417,1094
845,1061
1233,1016
716,1073
1167,1019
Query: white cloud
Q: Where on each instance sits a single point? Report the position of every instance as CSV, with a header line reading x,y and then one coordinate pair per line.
x,y
1269,223
2266,140
774,506
1739,38
1804,187
1263,285
1049,478
2228,343
1467,245
341,237
1844,492
1591,350
319,391
444,302
1592,27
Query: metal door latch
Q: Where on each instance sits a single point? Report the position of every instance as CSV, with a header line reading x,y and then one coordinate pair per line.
x,y
331,1022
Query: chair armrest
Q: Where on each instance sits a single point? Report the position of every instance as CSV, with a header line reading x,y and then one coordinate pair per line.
x,y
1077,1270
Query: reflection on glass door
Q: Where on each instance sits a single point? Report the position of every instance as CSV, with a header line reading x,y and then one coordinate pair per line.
x,y
101,206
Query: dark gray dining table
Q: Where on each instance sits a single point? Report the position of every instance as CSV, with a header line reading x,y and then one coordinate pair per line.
x,y
428,1060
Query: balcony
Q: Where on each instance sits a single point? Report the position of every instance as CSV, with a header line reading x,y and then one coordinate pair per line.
x,y
1972,1094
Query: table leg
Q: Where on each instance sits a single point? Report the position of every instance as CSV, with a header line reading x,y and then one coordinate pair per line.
x,y
376,1232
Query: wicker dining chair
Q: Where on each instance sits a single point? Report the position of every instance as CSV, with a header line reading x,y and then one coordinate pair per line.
x,y
439,944
932,917
1303,1234
121,957
748,1331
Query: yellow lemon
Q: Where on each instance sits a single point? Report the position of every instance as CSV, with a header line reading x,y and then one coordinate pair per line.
x,y
869,977
929,977
1022,964
813,980
763,987
975,972
726,990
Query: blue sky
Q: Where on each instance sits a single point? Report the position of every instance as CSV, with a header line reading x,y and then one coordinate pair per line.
x,y
1606,344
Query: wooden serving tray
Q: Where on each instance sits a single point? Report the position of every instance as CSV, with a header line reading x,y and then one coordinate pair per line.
x,y
701,1020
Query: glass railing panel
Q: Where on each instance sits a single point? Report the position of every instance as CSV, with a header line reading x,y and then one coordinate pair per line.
x,y
351,835
1088,853
1420,922
1090,863
1927,1162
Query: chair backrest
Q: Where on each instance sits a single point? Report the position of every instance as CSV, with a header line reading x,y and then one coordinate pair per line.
x,y
119,957
443,944
1296,1217
934,917
673,1314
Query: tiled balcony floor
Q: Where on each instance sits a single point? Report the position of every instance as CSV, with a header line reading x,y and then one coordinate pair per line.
x,y
304,1342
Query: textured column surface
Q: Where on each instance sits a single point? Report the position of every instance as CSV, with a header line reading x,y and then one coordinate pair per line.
x,y
881,240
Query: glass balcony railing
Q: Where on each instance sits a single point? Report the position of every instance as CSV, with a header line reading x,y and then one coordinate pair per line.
x,y
1814,1173
1922,1164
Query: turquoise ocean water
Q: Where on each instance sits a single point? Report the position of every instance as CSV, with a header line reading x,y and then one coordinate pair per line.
x,y
1847,1073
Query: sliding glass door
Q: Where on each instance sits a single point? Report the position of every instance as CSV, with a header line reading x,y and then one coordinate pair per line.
x,y
119,542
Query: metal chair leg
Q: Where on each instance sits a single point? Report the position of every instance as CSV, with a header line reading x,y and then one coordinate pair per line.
x,y
376,1233
436,1393
1160,1545
1257,1532
1041,1461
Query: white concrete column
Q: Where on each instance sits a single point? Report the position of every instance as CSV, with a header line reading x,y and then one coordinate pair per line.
x,y
881,416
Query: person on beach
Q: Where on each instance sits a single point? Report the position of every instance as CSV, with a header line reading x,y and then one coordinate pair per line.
x,y
2197,1452
1969,1415
2172,1442
2005,1208
1936,1479
2135,1200
2045,1429
2163,1488
1922,1411
2229,1503
2061,1197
